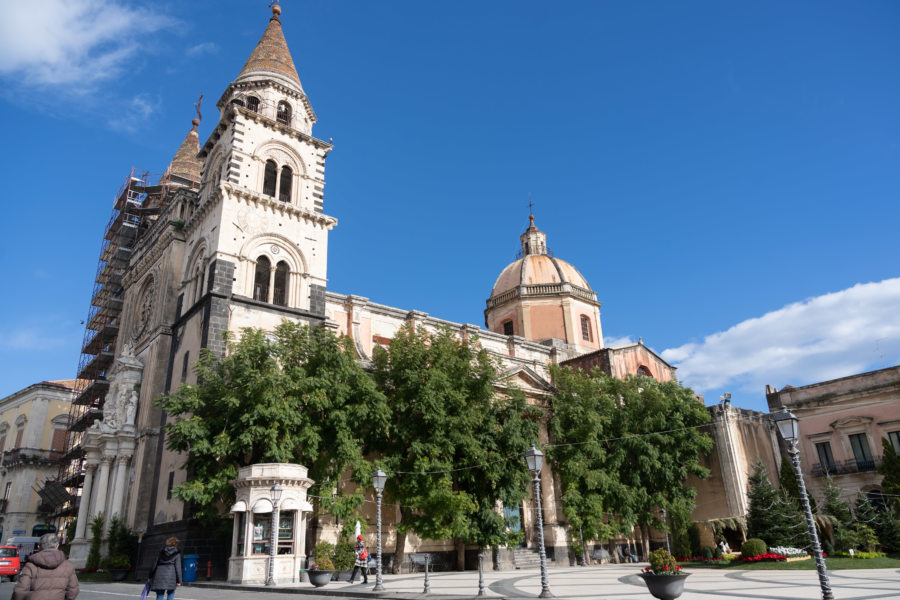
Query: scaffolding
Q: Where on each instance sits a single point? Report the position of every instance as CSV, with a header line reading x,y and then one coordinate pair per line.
x,y
101,330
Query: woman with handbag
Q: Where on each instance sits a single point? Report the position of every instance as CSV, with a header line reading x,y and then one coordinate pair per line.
x,y
362,560
166,572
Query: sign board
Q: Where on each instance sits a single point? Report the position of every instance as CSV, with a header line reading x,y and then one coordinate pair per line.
x,y
19,532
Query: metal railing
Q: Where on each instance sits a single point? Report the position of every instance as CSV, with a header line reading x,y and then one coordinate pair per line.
x,y
18,455
846,467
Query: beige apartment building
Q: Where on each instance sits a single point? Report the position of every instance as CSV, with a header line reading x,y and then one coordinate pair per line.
x,y
32,439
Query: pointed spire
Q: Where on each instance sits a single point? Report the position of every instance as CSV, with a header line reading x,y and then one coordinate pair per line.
x,y
271,54
185,164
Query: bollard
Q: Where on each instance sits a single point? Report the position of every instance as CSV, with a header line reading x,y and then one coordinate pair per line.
x,y
427,589
208,570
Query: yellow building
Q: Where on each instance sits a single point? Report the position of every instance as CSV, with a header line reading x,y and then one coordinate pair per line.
x,y
32,438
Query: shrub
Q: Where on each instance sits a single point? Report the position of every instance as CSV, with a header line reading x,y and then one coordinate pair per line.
x,y
324,554
707,552
827,547
717,553
694,537
344,556
753,547
93,558
662,563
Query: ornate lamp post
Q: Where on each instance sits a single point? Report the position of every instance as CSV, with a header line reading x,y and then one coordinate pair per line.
x,y
788,426
273,539
535,460
378,480
666,525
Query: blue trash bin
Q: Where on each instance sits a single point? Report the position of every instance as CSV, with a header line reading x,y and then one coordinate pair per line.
x,y
189,564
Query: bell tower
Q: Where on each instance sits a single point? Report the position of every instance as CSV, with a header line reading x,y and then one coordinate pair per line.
x,y
259,234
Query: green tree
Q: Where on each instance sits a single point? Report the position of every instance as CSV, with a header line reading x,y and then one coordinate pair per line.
x,y
841,517
790,487
660,444
448,447
890,469
580,421
296,395
772,517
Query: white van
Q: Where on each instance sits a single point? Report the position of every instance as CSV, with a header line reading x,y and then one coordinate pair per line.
x,y
25,545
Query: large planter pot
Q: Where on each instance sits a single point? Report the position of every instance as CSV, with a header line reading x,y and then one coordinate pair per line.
x,y
665,587
118,574
319,578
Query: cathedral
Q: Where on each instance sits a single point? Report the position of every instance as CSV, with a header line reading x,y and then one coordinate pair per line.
x,y
234,235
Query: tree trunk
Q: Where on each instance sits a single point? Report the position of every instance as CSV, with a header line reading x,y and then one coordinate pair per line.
x,y
399,550
495,557
645,542
460,548
613,549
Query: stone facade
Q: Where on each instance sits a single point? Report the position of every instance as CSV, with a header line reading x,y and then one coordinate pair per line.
x,y
842,423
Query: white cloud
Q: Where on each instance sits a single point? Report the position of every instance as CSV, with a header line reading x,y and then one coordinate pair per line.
x,y
135,113
617,342
829,336
204,48
73,43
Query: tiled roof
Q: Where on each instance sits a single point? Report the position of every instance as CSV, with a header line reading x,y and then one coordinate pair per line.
x,y
185,164
271,53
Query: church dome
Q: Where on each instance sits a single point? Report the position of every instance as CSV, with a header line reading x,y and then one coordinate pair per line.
x,y
537,267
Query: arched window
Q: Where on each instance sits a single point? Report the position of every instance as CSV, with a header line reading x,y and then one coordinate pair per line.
x,y
20,430
261,280
283,115
644,371
4,431
270,177
586,333
253,103
237,101
284,194
279,295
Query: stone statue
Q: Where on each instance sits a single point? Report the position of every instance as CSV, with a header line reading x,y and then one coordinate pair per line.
x,y
130,408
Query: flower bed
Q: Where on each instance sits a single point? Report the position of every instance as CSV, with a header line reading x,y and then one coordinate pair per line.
x,y
703,560
765,557
789,551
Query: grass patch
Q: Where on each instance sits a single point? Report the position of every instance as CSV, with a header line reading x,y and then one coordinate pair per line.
x,y
832,564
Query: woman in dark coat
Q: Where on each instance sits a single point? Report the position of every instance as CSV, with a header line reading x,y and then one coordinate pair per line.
x,y
166,572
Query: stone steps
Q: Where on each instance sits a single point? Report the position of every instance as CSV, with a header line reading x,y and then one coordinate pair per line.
x,y
526,558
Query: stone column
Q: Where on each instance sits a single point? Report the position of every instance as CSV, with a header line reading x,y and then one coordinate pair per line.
x,y
119,485
102,485
82,519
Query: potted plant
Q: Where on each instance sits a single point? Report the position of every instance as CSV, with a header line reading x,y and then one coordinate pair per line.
x,y
118,566
663,577
343,559
322,569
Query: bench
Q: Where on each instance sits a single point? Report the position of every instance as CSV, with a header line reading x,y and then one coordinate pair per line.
x,y
417,562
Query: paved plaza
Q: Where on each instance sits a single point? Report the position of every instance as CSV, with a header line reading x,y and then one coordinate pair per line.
x,y
608,582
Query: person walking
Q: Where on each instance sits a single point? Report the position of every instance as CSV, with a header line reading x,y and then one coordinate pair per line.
x,y
362,560
47,575
165,575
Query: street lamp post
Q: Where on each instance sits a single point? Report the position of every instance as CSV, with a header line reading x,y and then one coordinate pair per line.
x,y
666,525
788,426
378,480
273,538
535,460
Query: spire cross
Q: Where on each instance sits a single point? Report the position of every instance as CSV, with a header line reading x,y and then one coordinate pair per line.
x,y
197,106
530,205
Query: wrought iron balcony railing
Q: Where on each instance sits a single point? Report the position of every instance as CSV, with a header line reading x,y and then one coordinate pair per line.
x,y
846,467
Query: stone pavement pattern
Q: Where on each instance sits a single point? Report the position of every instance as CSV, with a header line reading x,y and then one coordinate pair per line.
x,y
608,582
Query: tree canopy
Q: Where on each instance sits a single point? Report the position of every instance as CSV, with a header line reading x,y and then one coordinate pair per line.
x,y
771,515
623,449
448,447
295,395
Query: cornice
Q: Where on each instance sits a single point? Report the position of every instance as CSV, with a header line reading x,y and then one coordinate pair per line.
x,y
257,200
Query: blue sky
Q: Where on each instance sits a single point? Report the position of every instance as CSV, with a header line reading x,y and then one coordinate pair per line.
x,y
725,175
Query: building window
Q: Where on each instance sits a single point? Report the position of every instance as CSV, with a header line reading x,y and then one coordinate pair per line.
x,y
237,101
7,490
286,532
893,437
261,533
644,371
283,115
171,485
826,459
58,443
586,333
184,366
253,103
279,294
284,194
20,431
270,177
508,328
261,280
861,452
241,531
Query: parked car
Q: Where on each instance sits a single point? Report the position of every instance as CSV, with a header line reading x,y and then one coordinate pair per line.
x,y
9,562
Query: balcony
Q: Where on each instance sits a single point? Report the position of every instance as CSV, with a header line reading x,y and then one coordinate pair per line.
x,y
30,455
846,467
